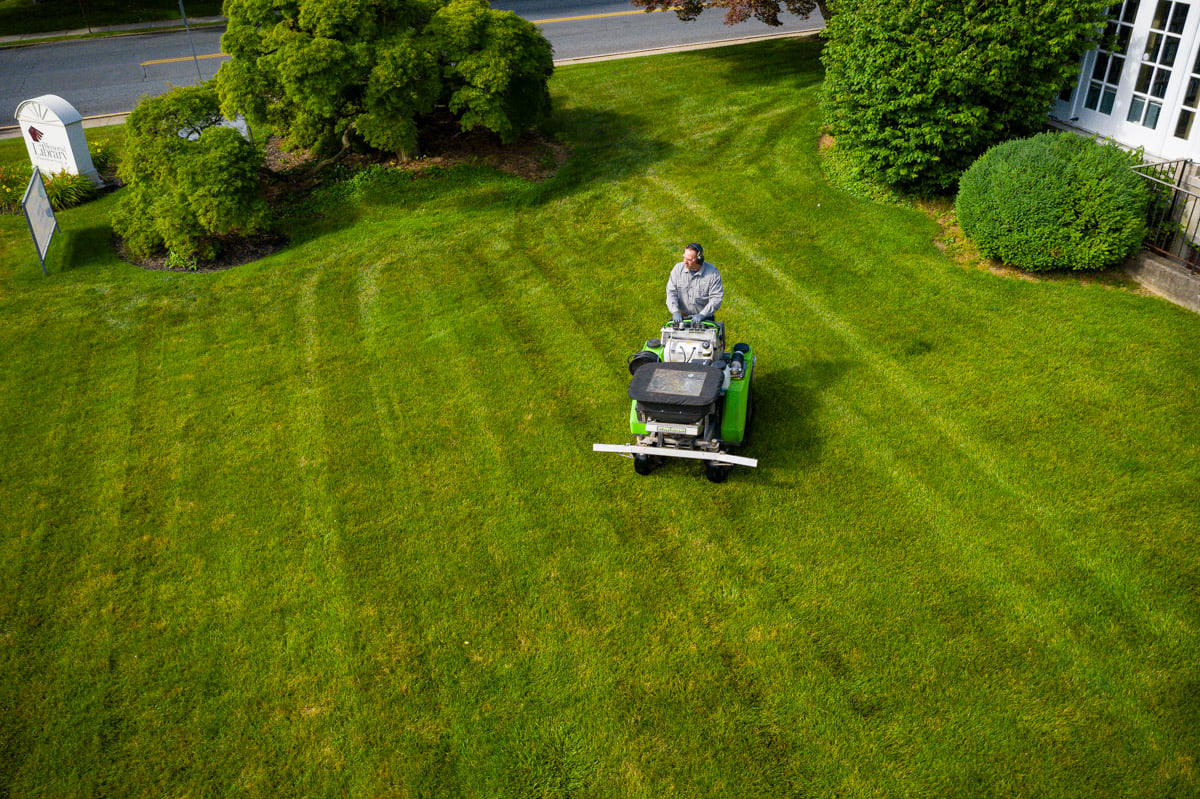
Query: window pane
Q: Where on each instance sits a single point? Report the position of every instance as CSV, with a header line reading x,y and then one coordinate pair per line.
x,y
1183,129
1093,96
1160,15
1143,81
1170,48
1152,44
1161,78
1131,10
1192,93
1123,34
1101,65
1106,102
1179,18
1152,112
1135,110
1114,70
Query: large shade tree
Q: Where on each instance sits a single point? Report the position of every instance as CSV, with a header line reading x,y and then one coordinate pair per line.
x,y
321,71
916,90
736,11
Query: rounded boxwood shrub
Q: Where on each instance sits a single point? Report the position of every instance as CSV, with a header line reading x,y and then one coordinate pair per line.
x,y
1053,201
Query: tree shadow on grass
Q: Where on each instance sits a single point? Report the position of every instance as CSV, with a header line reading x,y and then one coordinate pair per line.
x,y
784,435
796,61
81,248
605,146
581,148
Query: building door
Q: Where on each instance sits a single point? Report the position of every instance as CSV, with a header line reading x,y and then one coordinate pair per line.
x,y
1181,137
1136,89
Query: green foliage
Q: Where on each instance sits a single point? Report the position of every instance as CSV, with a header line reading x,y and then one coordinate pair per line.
x,y
840,171
104,155
495,67
13,182
180,263
916,90
66,190
317,70
188,178
1054,201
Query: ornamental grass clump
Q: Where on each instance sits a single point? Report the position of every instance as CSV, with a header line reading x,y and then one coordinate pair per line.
x,y
1053,201
67,190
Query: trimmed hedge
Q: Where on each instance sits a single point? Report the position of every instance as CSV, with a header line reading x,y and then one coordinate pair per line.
x,y
916,90
1054,201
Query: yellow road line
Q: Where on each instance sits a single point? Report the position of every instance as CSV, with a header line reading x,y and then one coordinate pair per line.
x,y
534,21
182,58
591,16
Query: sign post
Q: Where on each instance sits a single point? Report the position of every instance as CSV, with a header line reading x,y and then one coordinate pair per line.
x,y
40,216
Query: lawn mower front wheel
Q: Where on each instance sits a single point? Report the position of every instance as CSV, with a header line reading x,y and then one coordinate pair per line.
x,y
716,472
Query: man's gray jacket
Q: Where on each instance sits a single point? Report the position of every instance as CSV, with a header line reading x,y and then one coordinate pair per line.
x,y
696,293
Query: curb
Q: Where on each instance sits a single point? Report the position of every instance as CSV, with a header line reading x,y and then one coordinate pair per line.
x,y
682,48
120,30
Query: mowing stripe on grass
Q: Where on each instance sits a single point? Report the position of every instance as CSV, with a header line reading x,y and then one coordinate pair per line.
x,y
886,367
1117,580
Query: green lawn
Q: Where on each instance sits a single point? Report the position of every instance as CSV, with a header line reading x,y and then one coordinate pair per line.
x,y
330,524
27,16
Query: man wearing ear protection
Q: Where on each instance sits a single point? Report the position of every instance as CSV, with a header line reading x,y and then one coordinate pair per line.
x,y
694,288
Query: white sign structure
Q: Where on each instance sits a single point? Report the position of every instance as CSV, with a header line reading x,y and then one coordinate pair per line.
x,y
53,132
39,215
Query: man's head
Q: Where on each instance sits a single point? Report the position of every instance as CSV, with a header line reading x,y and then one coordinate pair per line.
x,y
693,257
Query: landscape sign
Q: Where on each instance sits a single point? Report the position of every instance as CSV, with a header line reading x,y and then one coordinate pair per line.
x,y
53,132
39,215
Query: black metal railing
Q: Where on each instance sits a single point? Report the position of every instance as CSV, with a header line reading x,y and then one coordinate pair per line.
x,y
1173,217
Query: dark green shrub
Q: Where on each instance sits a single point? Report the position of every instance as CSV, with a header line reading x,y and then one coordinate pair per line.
x,y
495,67
323,73
65,190
189,180
1053,201
916,90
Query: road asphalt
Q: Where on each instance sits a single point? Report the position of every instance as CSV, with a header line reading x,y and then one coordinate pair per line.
x,y
7,131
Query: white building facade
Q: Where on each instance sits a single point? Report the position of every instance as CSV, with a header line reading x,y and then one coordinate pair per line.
x,y
1143,88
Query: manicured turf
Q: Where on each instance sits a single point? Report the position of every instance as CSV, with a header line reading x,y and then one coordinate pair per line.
x,y
330,524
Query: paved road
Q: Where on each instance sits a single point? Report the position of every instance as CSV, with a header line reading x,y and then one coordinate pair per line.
x,y
108,75
104,75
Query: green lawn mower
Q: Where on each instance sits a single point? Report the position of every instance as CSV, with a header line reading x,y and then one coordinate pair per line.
x,y
689,398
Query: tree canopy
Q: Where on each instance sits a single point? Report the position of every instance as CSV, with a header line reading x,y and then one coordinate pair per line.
x,y
916,90
319,70
189,180
736,11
